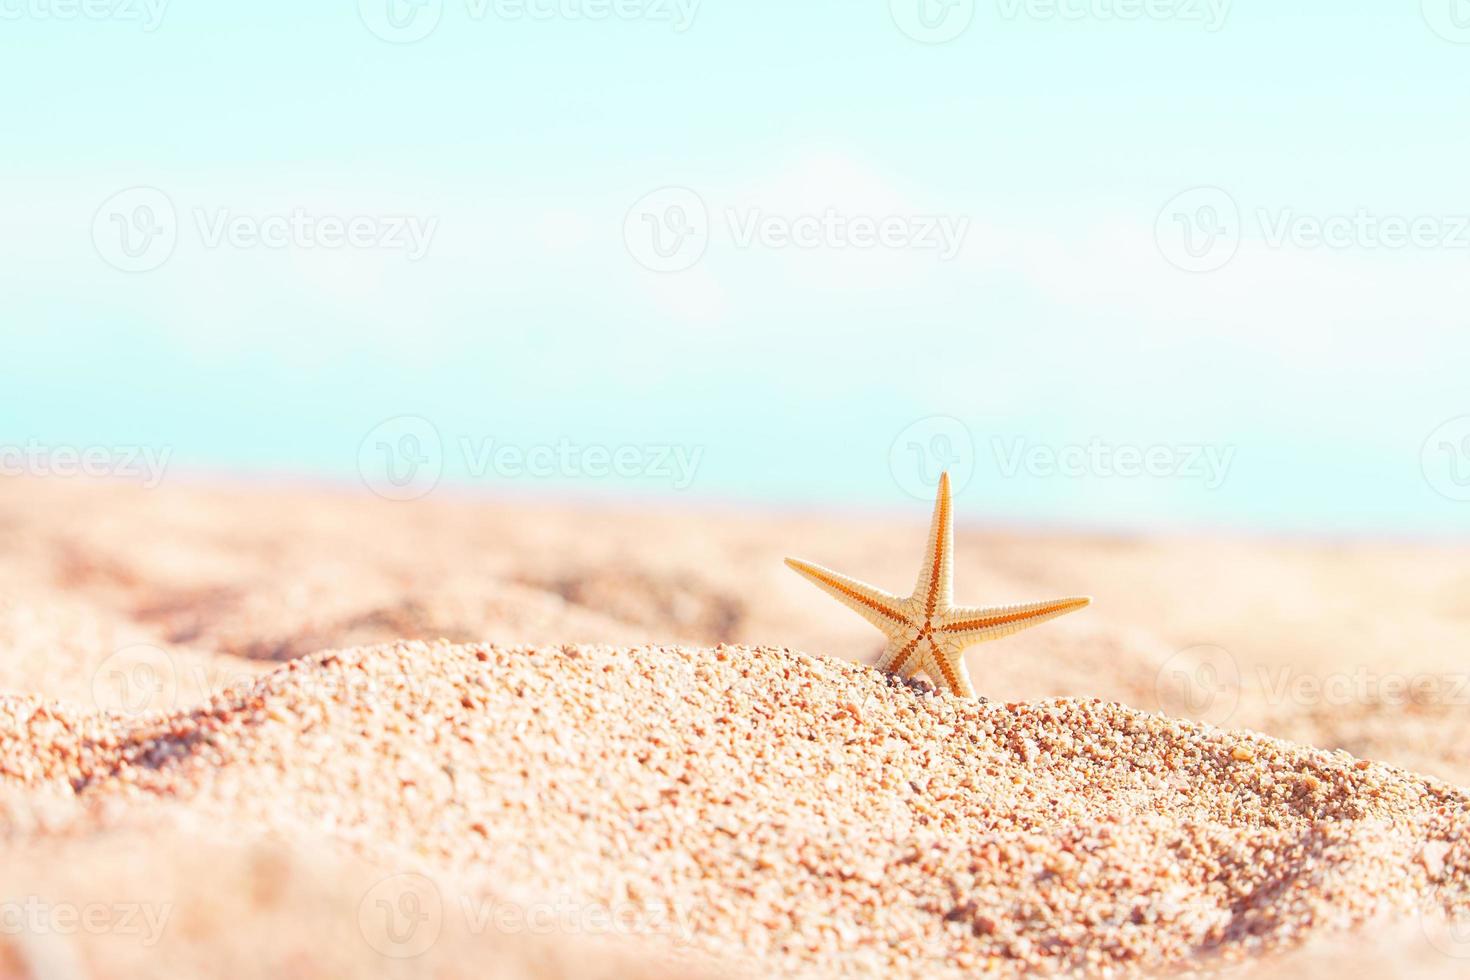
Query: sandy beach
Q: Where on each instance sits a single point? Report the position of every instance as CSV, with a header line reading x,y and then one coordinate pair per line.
x,y
303,732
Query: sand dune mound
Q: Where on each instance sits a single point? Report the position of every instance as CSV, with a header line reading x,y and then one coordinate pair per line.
x,y
783,811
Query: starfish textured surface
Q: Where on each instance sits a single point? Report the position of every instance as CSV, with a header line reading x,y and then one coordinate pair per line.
x,y
926,631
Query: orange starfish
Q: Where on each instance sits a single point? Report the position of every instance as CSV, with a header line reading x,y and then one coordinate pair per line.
x,y
926,632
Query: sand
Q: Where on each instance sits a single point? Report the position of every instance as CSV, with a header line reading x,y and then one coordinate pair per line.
x,y
271,732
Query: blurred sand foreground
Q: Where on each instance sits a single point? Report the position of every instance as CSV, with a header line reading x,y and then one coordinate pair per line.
x,y
190,784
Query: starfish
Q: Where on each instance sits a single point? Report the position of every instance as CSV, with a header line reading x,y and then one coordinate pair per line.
x,y
927,632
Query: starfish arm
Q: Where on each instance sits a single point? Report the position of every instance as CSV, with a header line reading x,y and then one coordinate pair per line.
x,y
876,606
915,665
902,657
935,588
963,626
949,670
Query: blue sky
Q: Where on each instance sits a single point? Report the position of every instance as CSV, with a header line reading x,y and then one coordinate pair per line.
x,y
1073,321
